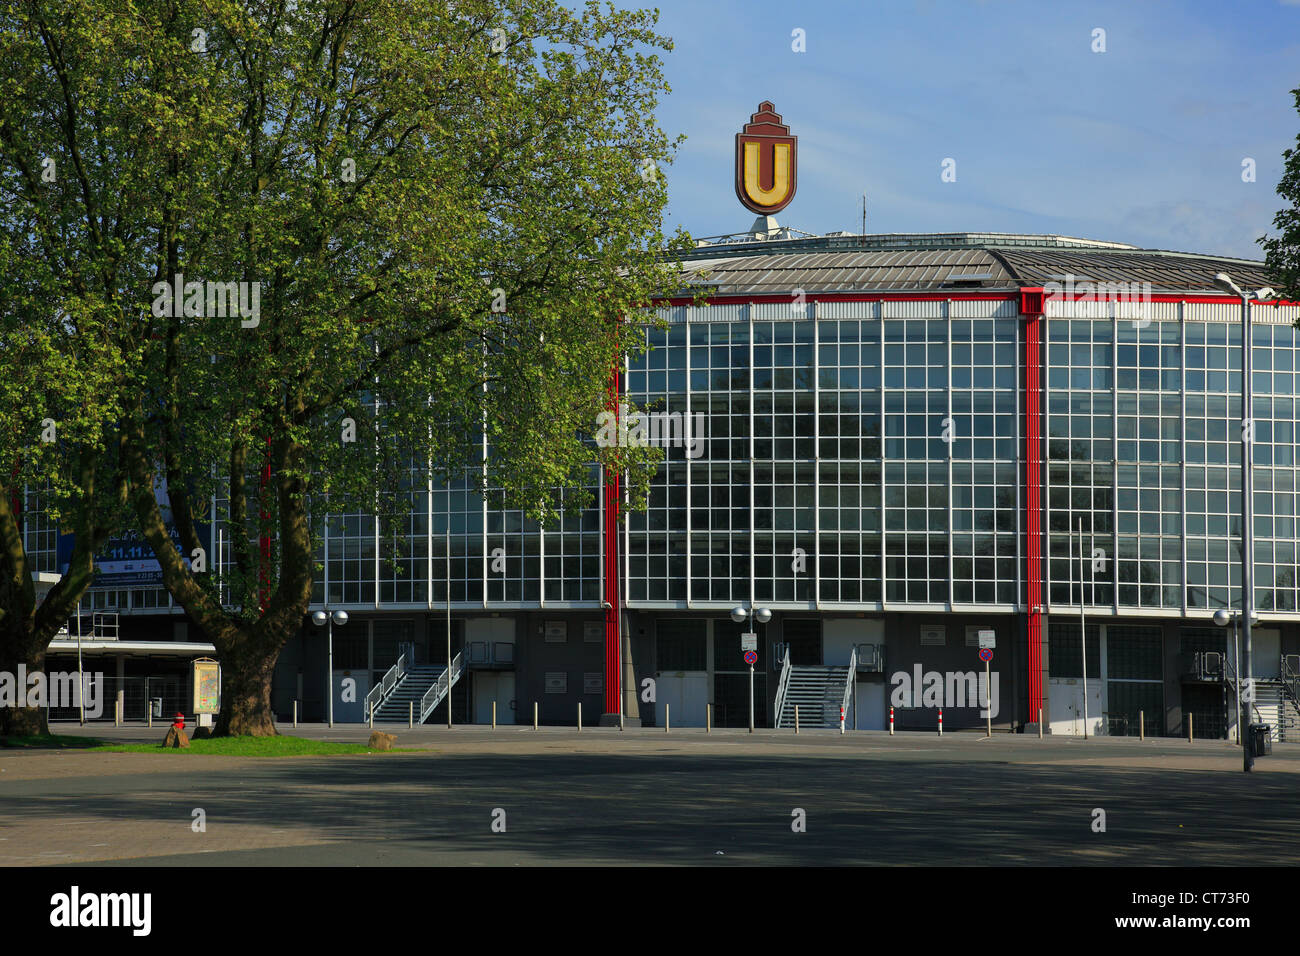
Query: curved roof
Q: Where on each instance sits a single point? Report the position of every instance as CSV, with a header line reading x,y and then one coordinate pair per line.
x,y
948,262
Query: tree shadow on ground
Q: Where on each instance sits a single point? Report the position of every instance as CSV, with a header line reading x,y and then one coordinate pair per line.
x,y
603,808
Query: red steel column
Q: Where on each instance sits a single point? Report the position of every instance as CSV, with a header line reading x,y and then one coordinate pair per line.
x,y
1031,307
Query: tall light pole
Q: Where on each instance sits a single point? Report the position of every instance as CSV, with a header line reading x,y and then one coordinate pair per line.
x,y
740,615
1223,281
320,618
81,675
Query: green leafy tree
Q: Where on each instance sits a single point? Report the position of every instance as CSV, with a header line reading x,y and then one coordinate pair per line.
x,y
87,103
1282,252
448,219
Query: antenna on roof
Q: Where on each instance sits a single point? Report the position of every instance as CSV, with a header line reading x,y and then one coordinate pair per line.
x,y
864,214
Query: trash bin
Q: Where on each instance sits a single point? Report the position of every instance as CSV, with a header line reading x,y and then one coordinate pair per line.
x,y
1260,743
155,704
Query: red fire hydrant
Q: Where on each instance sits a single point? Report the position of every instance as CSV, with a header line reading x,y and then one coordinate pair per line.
x,y
179,722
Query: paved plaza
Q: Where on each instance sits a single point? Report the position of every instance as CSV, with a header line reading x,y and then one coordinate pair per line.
x,y
642,797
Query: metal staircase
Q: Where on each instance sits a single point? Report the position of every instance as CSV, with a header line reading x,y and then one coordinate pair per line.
x,y
408,692
1277,701
440,688
819,691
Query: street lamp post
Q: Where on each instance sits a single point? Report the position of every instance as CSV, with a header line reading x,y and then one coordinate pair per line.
x,y
740,615
1223,617
1223,281
321,618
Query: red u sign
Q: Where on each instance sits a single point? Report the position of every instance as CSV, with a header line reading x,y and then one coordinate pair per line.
x,y
766,162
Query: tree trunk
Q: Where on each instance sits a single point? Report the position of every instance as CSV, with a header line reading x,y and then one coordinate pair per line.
x,y
246,671
21,720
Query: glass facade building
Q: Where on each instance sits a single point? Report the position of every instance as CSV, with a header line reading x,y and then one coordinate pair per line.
x,y
906,440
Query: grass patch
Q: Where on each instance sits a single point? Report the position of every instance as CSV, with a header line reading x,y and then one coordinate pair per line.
x,y
52,742
247,747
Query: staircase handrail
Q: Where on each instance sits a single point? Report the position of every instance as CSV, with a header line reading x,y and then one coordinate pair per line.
x,y
1230,678
433,696
380,691
781,685
1290,682
852,680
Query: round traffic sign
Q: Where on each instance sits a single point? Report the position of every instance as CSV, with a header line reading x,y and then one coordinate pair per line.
x,y
751,658
986,653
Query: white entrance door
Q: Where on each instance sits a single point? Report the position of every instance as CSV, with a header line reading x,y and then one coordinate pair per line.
x,y
1065,705
498,686
687,695
839,637
870,702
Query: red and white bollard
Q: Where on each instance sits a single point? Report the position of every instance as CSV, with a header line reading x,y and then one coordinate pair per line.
x,y
940,721
841,720
891,721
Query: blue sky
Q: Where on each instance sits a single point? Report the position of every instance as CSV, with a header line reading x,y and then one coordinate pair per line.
x,y
1142,143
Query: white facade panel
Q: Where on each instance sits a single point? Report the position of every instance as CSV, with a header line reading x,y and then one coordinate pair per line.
x,y
923,309
1212,312
1276,315
984,308
848,310
783,311
718,313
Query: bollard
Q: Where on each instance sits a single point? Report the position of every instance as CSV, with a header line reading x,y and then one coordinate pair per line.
x,y
841,721
1189,728
534,715
1040,723
295,713
708,718
372,715
579,716
1142,725
117,713
796,718
410,714
148,713
891,721
667,718
940,721
494,715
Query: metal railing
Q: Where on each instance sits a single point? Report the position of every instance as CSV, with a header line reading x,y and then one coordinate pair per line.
x,y
872,658
101,692
442,686
104,625
1230,678
1291,679
851,682
782,685
1204,665
384,687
